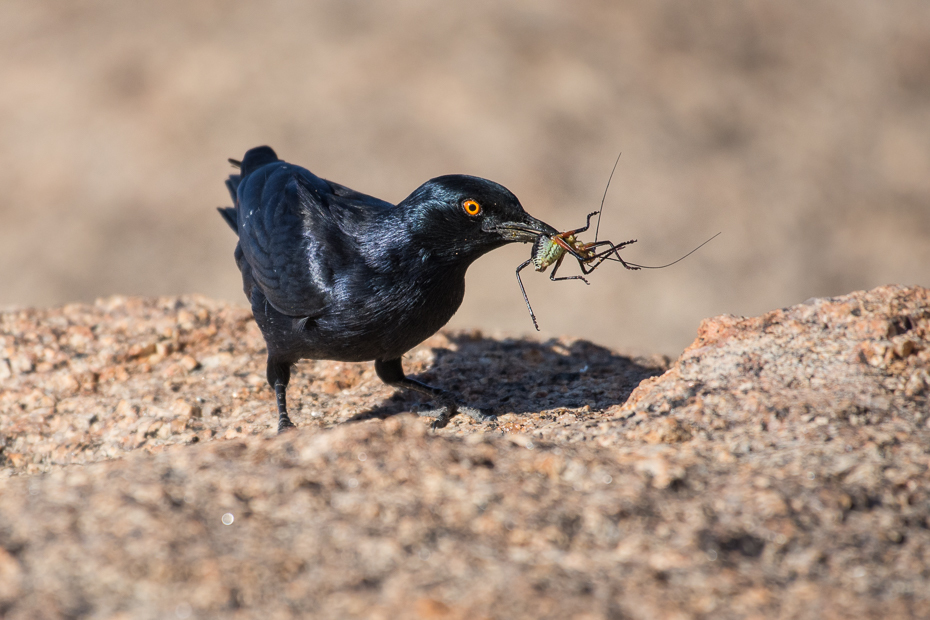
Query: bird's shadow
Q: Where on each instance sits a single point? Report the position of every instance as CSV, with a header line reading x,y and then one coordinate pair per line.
x,y
525,376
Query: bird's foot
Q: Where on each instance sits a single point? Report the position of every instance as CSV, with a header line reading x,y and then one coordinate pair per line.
x,y
477,414
284,423
441,415
445,413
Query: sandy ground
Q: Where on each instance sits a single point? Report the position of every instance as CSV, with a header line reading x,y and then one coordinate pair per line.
x,y
801,130
778,469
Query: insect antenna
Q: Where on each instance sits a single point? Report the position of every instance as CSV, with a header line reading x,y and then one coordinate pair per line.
x,y
674,261
604,197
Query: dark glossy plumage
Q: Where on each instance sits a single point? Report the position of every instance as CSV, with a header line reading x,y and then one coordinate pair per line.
x,y
335,274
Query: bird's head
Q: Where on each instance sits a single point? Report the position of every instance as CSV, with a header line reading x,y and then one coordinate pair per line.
x,y
464,216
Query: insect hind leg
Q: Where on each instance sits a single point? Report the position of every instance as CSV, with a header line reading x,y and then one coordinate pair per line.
x,y
611,253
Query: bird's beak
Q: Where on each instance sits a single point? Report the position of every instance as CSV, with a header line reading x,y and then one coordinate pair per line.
x,y
527,230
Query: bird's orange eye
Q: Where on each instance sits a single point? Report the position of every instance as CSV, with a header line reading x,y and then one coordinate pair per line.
x,y
471,207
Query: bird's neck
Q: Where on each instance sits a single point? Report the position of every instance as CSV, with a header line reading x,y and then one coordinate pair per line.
x,y
450,253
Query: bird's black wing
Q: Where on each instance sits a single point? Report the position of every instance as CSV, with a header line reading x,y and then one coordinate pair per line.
x,y
272,226
352,200
293,232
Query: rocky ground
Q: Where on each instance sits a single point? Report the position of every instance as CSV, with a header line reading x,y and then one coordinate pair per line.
x,y
777,469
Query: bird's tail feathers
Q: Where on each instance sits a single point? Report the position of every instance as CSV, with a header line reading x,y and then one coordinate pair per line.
x,y
229,214
256,158
232,185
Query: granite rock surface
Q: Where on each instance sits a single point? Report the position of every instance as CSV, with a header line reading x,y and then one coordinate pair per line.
x,y
777,469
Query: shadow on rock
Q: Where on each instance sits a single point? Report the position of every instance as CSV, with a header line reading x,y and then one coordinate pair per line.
x,y
524,376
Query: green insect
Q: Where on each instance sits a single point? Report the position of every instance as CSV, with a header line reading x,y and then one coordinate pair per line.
x,y
549,250
552,249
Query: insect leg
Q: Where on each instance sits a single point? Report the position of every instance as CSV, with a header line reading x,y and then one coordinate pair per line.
x,y
556,268
523,290
582,229
577,246
614,249
568,247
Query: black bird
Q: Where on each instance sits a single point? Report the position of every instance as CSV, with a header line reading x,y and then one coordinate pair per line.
x,y
335,274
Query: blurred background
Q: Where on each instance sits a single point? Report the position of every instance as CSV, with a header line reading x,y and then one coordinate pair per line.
x,y
800,129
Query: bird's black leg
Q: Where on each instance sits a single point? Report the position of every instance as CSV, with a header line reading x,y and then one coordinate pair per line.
x,y
278,377
392,373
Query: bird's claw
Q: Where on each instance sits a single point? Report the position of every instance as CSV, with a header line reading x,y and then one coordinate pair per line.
x,y
477,414
441,415
440,422
445,413
284,423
